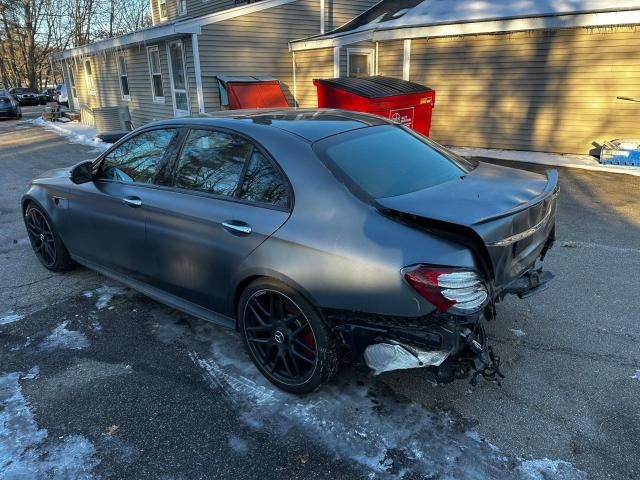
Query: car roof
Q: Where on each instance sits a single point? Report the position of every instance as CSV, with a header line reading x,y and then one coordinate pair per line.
x,y
309,124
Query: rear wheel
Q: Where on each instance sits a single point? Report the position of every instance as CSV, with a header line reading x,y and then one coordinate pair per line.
x,y
45,241
285,337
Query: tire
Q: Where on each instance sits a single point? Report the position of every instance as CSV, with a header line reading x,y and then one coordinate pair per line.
x,y
281,336
41,231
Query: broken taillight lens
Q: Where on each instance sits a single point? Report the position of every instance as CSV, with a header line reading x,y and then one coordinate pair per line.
x,y
446,289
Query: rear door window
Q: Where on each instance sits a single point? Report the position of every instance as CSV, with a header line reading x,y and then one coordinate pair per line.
x,y
212,162
138,159
263,182
387,160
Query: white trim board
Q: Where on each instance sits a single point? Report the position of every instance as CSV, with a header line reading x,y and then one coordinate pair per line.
x,y
603,19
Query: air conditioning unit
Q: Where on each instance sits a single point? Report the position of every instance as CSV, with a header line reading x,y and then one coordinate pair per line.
x,y
112,123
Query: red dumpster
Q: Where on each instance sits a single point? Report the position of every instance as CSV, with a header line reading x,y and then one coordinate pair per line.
x,y
405,102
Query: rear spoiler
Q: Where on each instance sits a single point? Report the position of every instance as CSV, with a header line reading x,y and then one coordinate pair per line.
x,y
551,188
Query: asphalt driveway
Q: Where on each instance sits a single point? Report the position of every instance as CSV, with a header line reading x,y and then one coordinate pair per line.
x,y
96,381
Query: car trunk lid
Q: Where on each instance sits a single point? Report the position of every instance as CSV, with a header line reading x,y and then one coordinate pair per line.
x,y
510,211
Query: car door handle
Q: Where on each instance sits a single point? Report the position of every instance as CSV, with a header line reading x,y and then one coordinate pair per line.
x,y
134,202
237,227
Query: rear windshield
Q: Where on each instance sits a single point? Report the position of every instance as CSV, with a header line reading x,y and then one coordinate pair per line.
x,y
388,160
22,90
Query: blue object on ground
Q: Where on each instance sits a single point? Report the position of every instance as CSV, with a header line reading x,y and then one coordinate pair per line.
x,y
621,152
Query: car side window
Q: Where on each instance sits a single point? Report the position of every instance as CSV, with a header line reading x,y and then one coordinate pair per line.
x,y
263,183
212,162
138,159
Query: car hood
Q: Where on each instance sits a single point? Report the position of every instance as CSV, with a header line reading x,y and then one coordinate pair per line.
x,y
54,175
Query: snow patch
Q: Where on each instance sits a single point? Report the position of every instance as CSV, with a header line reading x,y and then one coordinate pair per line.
x,y
76,132
545,469
31,374
237,444
10,317
105,294
24,450
518,332
61,338
585,162
389,439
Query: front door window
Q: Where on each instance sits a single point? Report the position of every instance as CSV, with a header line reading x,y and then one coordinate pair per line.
x,y
178,79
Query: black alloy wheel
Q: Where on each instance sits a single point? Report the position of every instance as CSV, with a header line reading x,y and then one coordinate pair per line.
x,y
286,339
46,243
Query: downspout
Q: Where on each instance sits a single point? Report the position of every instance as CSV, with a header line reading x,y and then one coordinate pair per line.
x,y
295,87
197,71
321,17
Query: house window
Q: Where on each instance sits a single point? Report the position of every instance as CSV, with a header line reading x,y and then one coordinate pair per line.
x,y
359,62
182,7
162,9
88,74
122,75
155,71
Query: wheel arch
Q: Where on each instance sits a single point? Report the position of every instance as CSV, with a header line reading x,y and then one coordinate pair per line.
x,y
250,277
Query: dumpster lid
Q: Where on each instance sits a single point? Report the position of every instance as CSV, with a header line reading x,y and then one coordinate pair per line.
x,y
375,87
258,91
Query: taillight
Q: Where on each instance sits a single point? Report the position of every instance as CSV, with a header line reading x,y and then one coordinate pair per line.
x,y
446,288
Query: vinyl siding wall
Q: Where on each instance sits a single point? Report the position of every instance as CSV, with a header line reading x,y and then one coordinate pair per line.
x,y
141,106
549,91
255,44
196,8
390,58
252,44
311,64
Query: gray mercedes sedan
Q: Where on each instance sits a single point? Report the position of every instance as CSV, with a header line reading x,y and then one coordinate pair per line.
x,y
322,236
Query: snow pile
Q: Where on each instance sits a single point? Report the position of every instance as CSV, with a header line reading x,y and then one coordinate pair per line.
x,y
24,449
76,132
9,317
384,436
63,338
585,162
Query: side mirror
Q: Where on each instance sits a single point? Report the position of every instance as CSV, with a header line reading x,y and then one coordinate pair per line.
x,y
82,173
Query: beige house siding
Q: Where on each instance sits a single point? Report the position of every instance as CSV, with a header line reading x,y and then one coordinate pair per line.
x,y
549,91
251,44
196,8
255,44
141,106
390,58
311,64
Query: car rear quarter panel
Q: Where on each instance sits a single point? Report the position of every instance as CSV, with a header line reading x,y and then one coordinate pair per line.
x,y
342,253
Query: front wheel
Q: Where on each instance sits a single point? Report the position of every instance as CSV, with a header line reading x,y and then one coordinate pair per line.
x,y
286,338
45,241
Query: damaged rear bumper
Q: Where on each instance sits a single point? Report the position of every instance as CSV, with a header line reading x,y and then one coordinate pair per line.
x,y
455,346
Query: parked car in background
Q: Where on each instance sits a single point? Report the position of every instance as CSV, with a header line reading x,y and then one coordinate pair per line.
x,y
318,234
61,95
9,106
25,96
47,95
